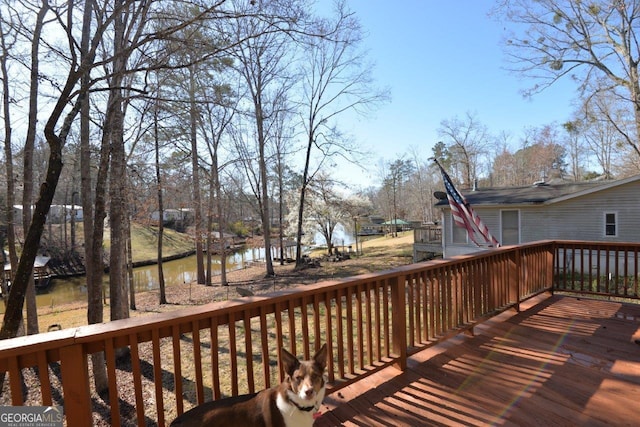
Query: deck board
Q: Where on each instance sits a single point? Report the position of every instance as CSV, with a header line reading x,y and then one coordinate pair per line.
x,y
561,361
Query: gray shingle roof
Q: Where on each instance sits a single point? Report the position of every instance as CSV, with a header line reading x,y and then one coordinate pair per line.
x,y
535,194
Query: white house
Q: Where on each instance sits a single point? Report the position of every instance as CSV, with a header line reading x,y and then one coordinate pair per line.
x,y
172,215
607,211
58,214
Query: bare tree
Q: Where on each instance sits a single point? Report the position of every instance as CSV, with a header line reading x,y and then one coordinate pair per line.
x,y
27,192
499,173
6,43
418,186
541,156
575,149
195,173
328,207
504,168
156,140
397,173
261,62
93,206
216,117
283,147
196,59
335,80
467,141
55,138
594,43
605,122
72,90
114,128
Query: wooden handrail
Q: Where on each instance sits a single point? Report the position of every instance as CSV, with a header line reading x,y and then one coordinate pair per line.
x,y
179,359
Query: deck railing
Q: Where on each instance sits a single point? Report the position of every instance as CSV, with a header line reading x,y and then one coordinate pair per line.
x,y
609,270
169,362
427,234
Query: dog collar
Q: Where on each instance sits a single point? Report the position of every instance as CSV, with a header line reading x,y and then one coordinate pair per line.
x,y
303,408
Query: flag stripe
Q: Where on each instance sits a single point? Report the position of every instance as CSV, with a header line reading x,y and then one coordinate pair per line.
x,y
462,213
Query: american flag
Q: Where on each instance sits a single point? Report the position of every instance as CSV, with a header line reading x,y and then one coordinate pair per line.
x,y
462,213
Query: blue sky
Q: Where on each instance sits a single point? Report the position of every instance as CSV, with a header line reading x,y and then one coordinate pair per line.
x,y
440,60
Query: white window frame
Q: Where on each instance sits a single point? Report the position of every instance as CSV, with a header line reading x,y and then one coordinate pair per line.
x,y
616,223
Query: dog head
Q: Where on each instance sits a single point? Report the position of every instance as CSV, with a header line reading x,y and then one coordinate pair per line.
x,y
305,378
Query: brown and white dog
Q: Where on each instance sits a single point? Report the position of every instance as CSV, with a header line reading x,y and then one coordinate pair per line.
x,y
292,403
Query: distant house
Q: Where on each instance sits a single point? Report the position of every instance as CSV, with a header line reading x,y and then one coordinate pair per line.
x,y
170,215
397,225
62,213
58,214
370,225
607,211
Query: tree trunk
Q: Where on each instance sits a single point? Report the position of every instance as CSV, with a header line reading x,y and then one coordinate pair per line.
x,y
117,180
94,218
196,178
221,221
635,97
6,104
281,209
303,193
117,217
93,213
266,217
132,287
163,294
27,194
210,239
3,259
24,271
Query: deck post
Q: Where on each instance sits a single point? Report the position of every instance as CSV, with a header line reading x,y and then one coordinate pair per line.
x,y
550,264
515,278
399,320
75,383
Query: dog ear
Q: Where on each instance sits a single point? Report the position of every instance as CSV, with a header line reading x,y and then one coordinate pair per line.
x,y
289,362
320,357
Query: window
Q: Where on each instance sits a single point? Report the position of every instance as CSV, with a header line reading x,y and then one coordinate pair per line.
x,y
610,224
510,227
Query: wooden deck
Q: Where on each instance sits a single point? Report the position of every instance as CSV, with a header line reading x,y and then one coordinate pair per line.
x,y
560,361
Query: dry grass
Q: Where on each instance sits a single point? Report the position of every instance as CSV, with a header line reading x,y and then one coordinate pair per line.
x,y
144,240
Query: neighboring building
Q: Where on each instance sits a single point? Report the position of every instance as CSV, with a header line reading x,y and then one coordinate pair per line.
x,y
170,215
607,211
397,225
370,225
58,214
177,219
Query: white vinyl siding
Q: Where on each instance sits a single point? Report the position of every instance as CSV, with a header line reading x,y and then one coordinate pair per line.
x,y
583,218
